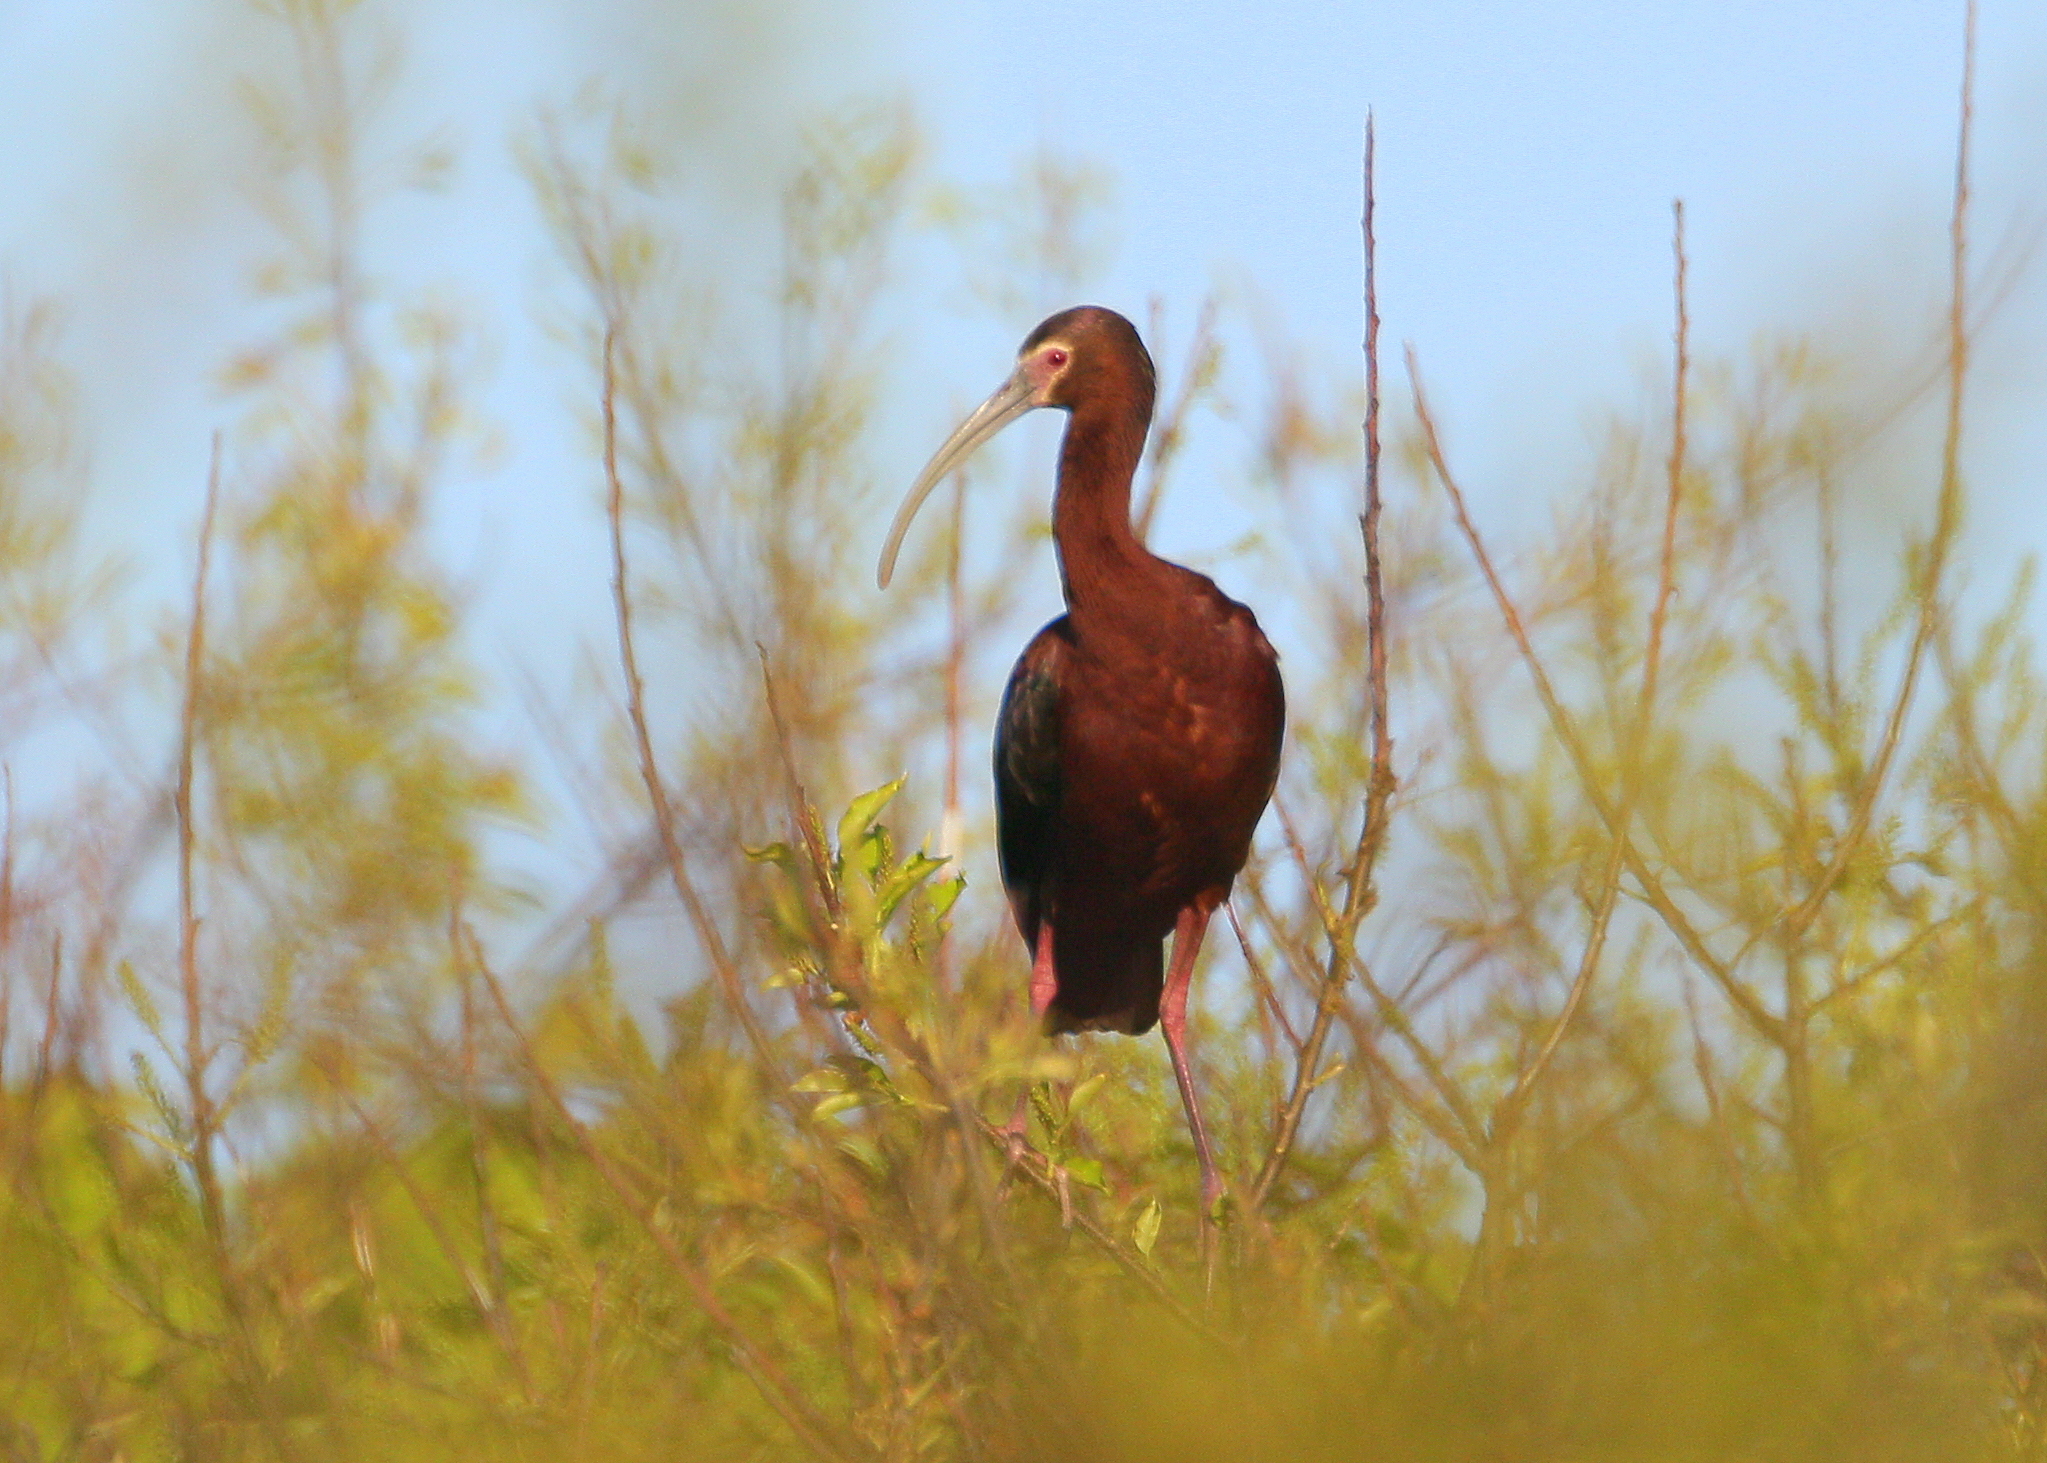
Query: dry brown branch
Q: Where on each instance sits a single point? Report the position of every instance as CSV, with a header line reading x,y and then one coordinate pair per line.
x,y
197,1056
1745,1000
1359,891
1666,578
1469,1136
1507,1112
722,966
1792,926
1268,998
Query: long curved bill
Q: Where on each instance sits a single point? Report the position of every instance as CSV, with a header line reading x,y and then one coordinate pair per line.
x,y
1010,401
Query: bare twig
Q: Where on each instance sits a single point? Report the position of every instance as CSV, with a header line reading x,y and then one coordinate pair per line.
x,y
1947,522
722,966
1849,984
197,1056
1394,1018
1745,1000
1260,982
1359,892
1507,1112
1666,579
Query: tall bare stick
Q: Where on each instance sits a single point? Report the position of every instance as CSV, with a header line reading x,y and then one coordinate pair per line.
x,y
722,966
1666,579
1722,972
1359,892
1508,1111
197,1057
1947,520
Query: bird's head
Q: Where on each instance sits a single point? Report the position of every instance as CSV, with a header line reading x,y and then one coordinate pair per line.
x,y
1072,357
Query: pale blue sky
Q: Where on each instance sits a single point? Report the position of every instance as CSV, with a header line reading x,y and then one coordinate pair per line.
x,y
1528,155
1529,150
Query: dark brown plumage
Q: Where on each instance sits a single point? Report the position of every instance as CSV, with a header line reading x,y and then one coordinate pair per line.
x,y
1140,732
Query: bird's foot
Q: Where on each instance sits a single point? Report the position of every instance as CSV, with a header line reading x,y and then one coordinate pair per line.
x,y
1016,1135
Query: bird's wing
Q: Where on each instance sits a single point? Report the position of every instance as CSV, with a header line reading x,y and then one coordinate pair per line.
x,y
1027,782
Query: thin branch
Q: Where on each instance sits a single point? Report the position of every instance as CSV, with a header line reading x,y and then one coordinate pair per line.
x,y
1359,893
1764,1021
1041,1171
1389,1011
1507,1113
197,1057
1666,579
722,966
1260,981
1946,523
1849,984
482,1295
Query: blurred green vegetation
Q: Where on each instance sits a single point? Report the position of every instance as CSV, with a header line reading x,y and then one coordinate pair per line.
x,y
1684,1096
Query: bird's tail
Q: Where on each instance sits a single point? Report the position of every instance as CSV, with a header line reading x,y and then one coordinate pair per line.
x,y
1106,985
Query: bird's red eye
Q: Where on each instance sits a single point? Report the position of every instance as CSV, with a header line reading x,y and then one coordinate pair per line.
x,y
1055,358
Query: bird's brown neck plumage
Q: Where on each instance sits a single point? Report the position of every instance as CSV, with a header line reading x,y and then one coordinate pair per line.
x,y
1102,565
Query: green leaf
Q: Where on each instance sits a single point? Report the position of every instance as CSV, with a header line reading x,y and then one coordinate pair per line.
x,y
945,896
869,855
813,1285
1083,1094
896,888
779,854
865,809
1145,1233
1088,1171
837,1103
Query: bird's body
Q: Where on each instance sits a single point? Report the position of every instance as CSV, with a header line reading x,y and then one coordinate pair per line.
x,y
1134,755
1140,733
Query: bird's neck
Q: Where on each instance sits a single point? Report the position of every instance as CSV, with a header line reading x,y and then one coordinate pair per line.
x,y
1105,570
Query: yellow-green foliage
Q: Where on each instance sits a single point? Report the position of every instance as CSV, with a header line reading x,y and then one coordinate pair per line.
x,y
1684,1094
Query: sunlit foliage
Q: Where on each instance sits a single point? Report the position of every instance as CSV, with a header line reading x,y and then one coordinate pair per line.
x,y
1683,1093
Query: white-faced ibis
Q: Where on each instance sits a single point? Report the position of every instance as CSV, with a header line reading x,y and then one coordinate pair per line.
x,y
1140,732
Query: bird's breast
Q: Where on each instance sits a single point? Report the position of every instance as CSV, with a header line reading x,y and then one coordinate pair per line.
x,y
1168,759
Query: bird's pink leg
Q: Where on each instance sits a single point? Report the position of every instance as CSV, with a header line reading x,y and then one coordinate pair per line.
x,y
1044,984
1187,933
